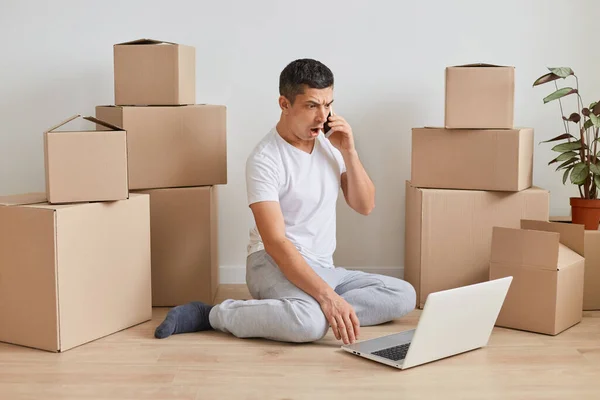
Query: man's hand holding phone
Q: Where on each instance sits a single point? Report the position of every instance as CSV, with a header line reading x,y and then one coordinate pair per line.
x,y
339,133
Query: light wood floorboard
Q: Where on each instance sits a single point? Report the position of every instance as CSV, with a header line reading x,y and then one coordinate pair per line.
x,y
133,365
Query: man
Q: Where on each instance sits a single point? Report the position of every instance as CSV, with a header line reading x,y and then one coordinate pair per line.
x,y
293,177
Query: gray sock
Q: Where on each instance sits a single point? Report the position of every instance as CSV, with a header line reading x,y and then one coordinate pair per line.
x,y
191,317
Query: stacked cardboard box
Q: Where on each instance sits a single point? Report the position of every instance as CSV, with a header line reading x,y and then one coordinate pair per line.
x,y
75,260
177,155
128,218
472,213
467,177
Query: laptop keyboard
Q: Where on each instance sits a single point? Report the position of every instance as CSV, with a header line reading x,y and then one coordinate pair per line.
x,y
395,353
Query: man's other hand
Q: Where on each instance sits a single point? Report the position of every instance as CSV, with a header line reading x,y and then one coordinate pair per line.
x,y
341,317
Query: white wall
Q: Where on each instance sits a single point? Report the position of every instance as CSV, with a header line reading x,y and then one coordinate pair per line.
x,y
388,59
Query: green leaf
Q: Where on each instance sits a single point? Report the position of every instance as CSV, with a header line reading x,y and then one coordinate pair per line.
x,y
597,180
559,137
559,93
566,156
566,174
595,168
588,124
549,77
579,173
593,105
595,120
566,163
567,146
562,72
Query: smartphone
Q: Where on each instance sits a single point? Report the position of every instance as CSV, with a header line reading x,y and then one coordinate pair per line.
x,y
326,129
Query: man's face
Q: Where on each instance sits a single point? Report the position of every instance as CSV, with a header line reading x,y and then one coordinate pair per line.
x,y
309,112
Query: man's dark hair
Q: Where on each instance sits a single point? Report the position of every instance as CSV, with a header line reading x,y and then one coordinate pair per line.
x,y
306,71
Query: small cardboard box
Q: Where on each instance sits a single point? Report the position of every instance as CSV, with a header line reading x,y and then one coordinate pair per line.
x,y
480,96
185,263
154,72
173,146
448,233
591,279
70,274
83,166
491,159
547,267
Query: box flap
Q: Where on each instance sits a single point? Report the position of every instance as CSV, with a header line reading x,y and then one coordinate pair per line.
x,y
481,65
144,41
104,123
23,199
567,257
571,235
525,247
63,123
89,118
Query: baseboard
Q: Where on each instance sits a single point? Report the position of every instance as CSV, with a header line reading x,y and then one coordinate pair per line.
x,y
235,274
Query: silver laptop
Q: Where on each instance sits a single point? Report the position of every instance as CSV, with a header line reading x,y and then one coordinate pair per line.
x,y
453,321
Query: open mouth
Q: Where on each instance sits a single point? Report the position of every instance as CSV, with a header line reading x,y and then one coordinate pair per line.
x,y
315,131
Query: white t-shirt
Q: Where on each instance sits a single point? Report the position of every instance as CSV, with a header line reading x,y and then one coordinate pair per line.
x,y
306,187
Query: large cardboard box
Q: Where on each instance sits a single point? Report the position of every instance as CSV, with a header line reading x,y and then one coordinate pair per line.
x,y
185,263
591,280
546,263
490,159
70,274
480,96
172,146
153,72
84,165
448,233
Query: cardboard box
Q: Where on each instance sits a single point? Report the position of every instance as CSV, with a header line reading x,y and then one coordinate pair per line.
x,y
480,96
546,263
85,166
591,279
185,263
70,274
153,72
448,234
173,146
472,159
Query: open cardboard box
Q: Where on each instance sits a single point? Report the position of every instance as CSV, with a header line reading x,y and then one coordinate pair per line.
x,y
479,96
491,159
591,280
72,273
154,72
85,165
547,265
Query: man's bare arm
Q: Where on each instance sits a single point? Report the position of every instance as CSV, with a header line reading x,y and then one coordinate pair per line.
x,y
357,187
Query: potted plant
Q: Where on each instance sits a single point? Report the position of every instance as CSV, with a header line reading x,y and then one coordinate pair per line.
x,y
579,156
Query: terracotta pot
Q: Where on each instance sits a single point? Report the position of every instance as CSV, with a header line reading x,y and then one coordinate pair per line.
x,y
586,212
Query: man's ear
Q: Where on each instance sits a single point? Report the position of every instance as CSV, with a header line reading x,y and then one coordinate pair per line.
x,y
284,104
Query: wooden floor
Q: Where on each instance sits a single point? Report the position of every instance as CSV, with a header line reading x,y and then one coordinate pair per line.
x,y
210,365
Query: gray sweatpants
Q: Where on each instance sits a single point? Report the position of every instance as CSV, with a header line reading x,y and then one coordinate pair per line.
x,y
281,311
